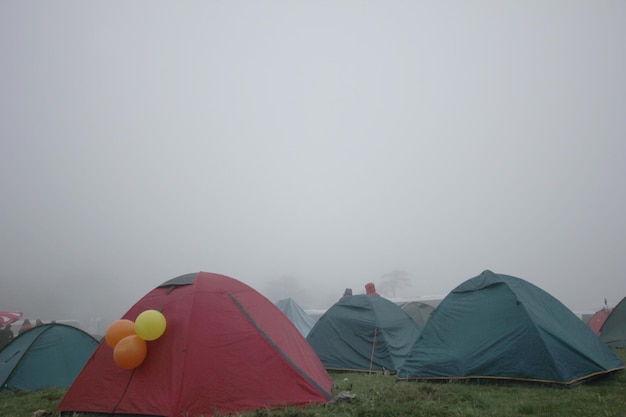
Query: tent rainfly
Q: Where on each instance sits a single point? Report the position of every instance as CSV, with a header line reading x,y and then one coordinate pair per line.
x,y
296,314
363,333
418,310
613,331
226,349
499,327
46,356
597,320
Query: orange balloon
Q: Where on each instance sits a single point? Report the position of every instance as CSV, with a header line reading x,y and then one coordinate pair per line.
x,y
118,330
130,352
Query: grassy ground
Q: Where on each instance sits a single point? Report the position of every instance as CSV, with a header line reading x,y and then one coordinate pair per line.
x,y
378,396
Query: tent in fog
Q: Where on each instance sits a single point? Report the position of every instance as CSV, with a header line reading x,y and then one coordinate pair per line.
x,y
226,349
419,311
363,333
501,327
613,331
46,356
9,317
597,320
303,322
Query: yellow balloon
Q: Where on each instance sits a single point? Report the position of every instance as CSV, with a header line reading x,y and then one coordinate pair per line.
x,y
150,325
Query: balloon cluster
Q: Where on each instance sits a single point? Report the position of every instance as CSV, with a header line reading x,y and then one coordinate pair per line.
x,y
128,338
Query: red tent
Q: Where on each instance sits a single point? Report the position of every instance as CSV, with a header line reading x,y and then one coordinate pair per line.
x,y
9,317
226,349
597,320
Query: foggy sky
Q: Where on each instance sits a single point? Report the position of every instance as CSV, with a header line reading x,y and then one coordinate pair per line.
x,y
330,142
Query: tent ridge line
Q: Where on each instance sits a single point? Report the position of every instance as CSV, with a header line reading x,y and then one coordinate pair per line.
x,y
271,342
28,348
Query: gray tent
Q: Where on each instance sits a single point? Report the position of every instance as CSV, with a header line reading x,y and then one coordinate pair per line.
x,y
418,310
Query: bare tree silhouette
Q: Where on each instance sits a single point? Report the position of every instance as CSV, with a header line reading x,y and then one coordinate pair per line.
x,y
394,280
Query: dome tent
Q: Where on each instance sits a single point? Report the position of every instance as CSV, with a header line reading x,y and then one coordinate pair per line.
x,y
418,310
363,333
303,322
226,349
46,356
597,320
496,326
613,330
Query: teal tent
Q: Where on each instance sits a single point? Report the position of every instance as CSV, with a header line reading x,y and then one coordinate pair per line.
x,y
46,356
501,327
613,331
363,333
296,314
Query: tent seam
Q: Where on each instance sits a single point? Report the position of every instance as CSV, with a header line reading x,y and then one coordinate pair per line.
x,y
277,348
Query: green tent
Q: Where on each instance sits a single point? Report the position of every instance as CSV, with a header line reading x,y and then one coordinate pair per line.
x,y
363,333
497,326
613,331
46,356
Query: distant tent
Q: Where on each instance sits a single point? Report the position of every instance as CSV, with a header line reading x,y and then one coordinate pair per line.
x,y
303,322
363,333
418,310
497,326
46,356
597,320
613,331
9,317
226,349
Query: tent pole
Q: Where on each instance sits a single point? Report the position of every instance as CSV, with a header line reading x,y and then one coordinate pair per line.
x,y
373,348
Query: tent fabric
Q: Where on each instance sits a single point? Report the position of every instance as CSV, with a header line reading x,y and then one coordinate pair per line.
x,y
296,314
496,326
613,331
597,320
363,333
226,349
46,356
9,317
419,311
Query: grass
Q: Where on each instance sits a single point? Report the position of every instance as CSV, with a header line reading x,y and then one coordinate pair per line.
x,y
382,396
24,403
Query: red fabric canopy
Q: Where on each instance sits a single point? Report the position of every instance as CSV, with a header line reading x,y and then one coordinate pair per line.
x,y
226,349
597,320
9,317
